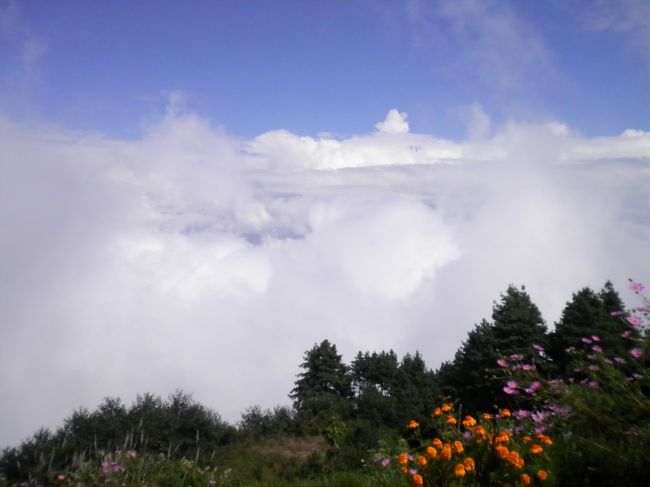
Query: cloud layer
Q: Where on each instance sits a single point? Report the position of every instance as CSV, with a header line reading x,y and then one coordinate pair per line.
x,y
197,260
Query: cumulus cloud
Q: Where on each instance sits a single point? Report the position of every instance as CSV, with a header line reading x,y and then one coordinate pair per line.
x,y
174,260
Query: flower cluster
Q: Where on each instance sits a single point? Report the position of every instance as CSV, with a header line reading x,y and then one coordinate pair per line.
x,y
469,450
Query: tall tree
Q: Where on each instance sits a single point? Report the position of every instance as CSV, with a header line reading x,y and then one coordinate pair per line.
x,y
324,387
374,378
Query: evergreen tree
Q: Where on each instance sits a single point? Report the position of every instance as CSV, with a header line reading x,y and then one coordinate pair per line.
x,y
374,379
324,388
416,391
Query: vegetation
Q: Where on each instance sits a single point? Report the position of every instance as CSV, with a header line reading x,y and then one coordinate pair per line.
x,y
517,406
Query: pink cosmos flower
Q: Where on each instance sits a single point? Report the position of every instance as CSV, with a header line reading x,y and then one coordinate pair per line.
x,y
516,357
61,477
635,321
595,338
592,384
510,391
637,287
528,367
597,349
502,363
534,387
538,347
586,340
636,352
626,334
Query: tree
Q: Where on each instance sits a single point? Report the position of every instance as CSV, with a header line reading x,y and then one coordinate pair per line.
x,y
324,388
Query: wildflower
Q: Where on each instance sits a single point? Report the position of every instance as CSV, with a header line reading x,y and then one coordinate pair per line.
x,y
457,447
431,452
636,352
480,432
542,474
524,478
459,470
61,477
469,464
510,391
586,340
385,462
515,357
451,420
437,412
445,454
501,451
528,367
505,413
636,287
469,422
522,413
502,363
544,439
486,416
515,459
403,469
502,437
413,424
538,347
446,407
635,321
534,387
421,460
597,349
403,458
417,480
619,360
527,438
437,442
535,449
626,334
593,368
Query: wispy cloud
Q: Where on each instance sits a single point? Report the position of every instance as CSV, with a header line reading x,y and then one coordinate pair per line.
x,y
491,41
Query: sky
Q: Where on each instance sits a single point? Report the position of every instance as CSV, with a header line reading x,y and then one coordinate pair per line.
x,y
193,194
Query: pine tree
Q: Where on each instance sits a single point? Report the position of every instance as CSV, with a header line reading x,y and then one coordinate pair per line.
x,y
324,388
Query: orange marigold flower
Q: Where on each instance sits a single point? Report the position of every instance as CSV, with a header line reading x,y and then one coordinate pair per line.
x,y
413,424
445,453
446,407
502,452
515,459
480,431
432,452
524,478
450,420
437,442
469,464
527,438
536,449
486,416
459,470
404,469
421,460
417,480
403,458
506,413
544,439
457,447
469,422
437,412
542,474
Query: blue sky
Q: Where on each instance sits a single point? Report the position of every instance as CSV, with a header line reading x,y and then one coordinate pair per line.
x,y
327,66
186,185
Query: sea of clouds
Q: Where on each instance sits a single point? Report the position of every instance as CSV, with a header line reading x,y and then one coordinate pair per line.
x,y
193,259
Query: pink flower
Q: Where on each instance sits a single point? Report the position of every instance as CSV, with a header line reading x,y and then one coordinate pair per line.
x,y
619,360
61,477
593,368
502,363
597,349
534,387
637,287
513,384
595,338
528,367
586,340
626,334
516,357
510,391
636,352
384,463
635,321
521,414
538,347
592,384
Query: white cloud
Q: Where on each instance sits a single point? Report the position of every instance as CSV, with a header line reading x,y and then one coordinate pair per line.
x,y
171,261
395,123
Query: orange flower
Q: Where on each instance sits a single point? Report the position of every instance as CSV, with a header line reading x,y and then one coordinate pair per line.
x,y
437,442
403,458
432,452
527,438
459,470
486,416
524,478
417,480
505,413
421,460
544,439
515,459
437,412
536,449
445,454
457,447
404,469
502,452
502,437
469,464
480,431
450,420
413,424
446,407
469,422
542,474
